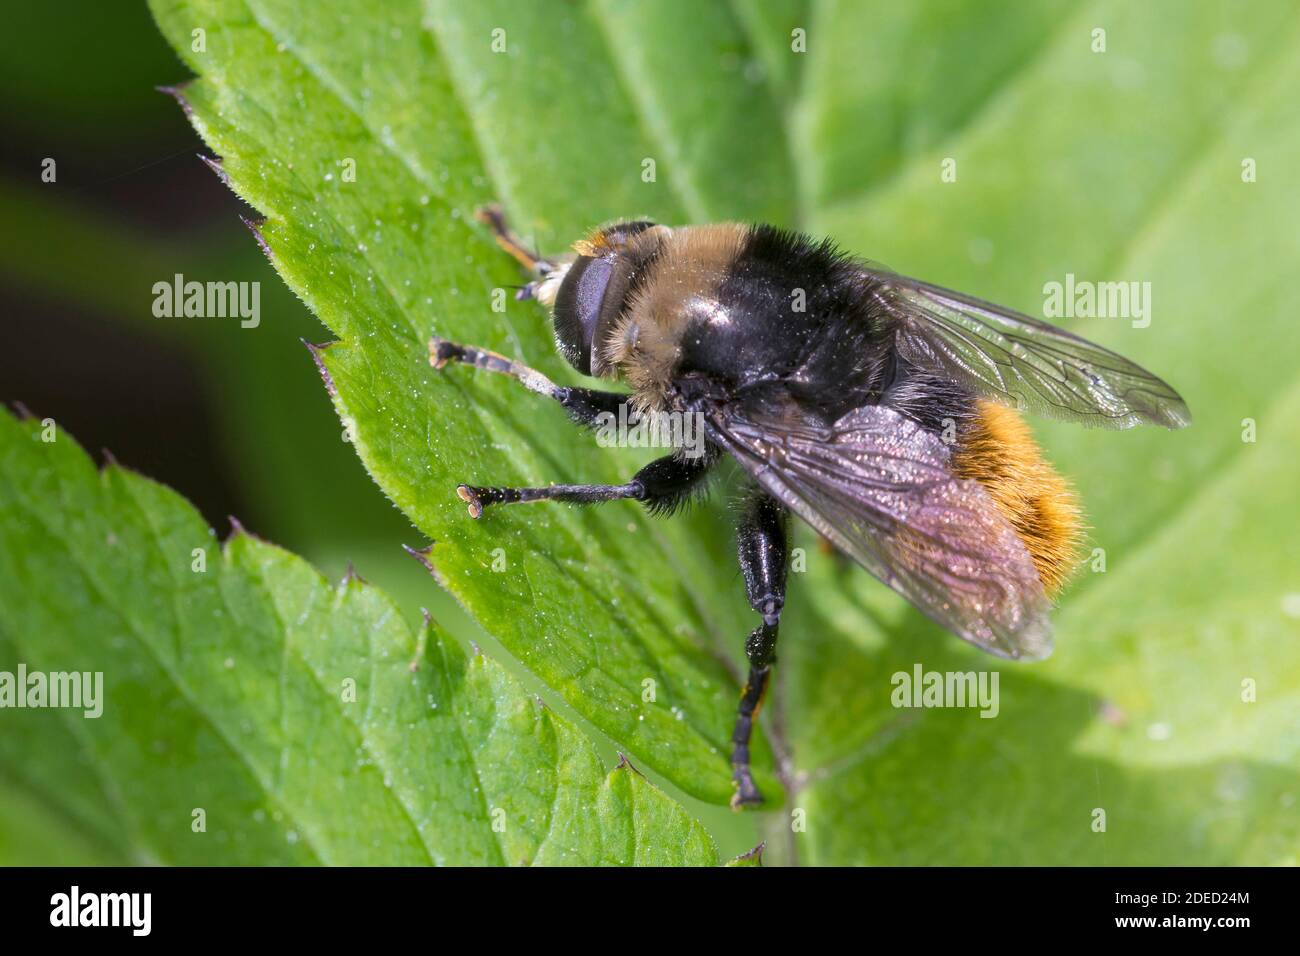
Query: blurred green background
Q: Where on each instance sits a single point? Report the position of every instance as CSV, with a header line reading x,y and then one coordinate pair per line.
x,y
222,414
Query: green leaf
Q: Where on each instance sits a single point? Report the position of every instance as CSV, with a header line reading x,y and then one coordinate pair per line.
x,y
1117,165
603,605
754,858
302,722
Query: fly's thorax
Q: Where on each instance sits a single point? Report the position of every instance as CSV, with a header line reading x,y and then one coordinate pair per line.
x,y
753,307
681,288
741,306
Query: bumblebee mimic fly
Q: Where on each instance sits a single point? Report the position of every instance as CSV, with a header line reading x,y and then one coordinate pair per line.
x,y
881,410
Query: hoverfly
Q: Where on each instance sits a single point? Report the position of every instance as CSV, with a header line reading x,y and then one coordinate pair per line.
x,y
880,409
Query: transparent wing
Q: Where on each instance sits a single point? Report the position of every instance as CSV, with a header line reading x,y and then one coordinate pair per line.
x,y
1020,361
878,487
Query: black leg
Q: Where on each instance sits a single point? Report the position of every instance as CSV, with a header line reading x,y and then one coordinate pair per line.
x,y
584,405
764,559
662,486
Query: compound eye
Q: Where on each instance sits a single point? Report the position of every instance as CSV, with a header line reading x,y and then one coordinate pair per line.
x,y
577,308
619,233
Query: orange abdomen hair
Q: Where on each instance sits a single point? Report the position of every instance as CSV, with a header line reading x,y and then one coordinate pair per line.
x,y
998,450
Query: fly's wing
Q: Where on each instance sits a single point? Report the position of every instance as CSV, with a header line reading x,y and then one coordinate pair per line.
x,y
1020,361
878,487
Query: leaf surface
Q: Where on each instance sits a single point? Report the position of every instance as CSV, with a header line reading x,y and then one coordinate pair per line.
x,y
253,713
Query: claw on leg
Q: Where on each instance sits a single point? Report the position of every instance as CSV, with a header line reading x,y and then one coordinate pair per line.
x,y
469,495
747,794
441,352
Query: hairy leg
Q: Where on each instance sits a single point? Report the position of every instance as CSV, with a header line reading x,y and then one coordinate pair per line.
x,y
762,545
661,486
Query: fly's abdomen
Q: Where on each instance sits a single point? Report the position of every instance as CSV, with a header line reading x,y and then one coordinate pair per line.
x,y
998,450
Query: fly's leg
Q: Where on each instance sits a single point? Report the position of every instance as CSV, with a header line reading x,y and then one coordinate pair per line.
x,y
661,486
492,217
584,405
763,547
